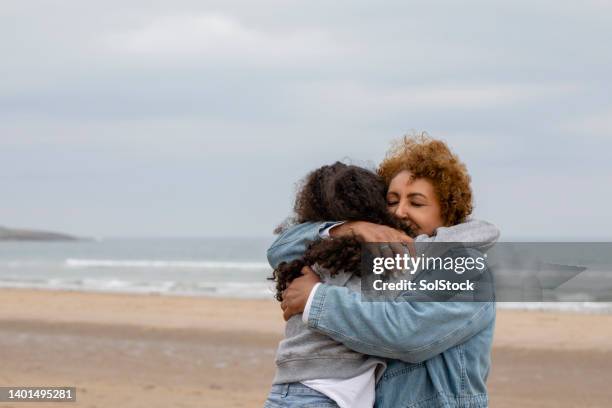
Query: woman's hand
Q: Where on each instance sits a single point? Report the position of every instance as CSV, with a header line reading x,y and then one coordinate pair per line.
x,y
296,294
370,232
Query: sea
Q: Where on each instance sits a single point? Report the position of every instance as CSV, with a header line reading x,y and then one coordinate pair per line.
x,y
208,267
214,267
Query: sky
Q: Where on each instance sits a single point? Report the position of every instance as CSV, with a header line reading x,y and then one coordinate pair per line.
x,y
197,118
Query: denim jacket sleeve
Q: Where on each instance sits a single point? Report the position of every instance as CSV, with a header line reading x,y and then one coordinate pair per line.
x,y
402,330
292,243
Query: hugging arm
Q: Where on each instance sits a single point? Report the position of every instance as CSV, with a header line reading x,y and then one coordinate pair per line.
x,y
292,243
398,329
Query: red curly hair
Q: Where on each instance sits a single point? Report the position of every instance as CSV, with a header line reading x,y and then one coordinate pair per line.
x,y
432,159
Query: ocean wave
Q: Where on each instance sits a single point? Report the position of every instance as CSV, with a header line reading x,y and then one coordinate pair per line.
x,y
250,290
147,263
16,264
578,307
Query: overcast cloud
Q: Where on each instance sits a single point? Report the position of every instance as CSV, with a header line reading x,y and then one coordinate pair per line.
x,y
195,118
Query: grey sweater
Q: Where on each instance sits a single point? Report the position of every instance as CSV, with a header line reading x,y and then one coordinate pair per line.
x,y
308,355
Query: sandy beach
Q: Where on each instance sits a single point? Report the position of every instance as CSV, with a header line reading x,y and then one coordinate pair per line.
x,y
161,351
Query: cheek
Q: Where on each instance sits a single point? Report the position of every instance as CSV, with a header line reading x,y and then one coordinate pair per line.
x,y
436,218
431,219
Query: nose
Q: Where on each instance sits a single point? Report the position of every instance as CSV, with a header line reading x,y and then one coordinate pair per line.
x,y
401,211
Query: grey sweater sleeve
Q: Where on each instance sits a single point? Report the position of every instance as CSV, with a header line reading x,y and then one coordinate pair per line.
x,y
473,233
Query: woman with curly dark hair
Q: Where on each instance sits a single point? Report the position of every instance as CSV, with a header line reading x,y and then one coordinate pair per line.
x,y
304,357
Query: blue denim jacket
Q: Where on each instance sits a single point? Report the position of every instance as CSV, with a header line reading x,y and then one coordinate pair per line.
x,y
439,352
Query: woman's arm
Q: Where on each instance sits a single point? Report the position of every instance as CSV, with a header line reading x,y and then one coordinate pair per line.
x,y
400,329
292,243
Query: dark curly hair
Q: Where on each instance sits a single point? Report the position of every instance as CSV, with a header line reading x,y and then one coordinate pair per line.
x,y
336,192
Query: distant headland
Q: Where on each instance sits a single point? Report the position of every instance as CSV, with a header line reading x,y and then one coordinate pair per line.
x,y
11,234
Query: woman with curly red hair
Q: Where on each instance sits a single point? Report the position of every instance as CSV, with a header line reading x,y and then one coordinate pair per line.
x,y
428,187
424,161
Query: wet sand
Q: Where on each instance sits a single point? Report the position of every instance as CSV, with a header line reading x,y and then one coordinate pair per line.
x,y
158,351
